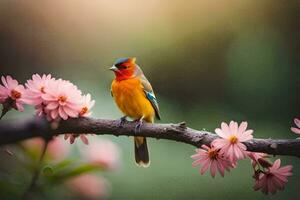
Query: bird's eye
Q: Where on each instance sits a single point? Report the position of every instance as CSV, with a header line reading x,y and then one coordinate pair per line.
x,y
123,67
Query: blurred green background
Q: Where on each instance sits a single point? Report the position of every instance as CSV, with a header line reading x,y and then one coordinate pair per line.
x,y
208,62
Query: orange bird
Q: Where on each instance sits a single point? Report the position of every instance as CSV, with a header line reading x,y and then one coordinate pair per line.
x,y
134,96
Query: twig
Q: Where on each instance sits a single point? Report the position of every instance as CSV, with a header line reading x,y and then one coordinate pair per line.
x,y
36,173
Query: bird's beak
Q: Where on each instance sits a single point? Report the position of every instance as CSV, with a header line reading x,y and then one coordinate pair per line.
x,y
114,68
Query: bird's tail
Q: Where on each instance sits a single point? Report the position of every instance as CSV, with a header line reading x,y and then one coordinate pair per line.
x,y
141,152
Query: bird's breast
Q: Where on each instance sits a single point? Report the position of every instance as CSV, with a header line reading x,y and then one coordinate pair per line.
x,y
130,98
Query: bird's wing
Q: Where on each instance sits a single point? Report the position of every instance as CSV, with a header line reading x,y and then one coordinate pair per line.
x,y
150,95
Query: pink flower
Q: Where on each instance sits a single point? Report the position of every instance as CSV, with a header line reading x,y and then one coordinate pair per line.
x,y
258,159
296,130
37,86
210,157
103,153
232,136
89,186
12,94
86,106
62,100
40,110
273,179
57,149
73,137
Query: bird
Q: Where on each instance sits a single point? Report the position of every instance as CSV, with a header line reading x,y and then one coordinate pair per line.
x,y
134,96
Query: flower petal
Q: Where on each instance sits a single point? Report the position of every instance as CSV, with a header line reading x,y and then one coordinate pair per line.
x,y
297,122
295,130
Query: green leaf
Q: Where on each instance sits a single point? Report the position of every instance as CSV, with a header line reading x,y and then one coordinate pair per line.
x,y
63,164
48,171
61,176
85,168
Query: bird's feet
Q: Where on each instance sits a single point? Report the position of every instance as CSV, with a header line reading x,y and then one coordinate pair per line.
x,y
122,120
138,126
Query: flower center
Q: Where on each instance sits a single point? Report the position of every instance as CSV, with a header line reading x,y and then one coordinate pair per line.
x,y
42,89
233,139
15,94
213,154
62,99
83,111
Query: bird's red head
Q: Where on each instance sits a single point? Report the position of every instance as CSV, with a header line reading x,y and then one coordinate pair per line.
x,y
124,68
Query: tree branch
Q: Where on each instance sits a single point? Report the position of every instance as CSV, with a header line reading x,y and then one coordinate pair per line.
x,y
15,131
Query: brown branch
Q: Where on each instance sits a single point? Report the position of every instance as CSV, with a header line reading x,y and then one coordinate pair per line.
x,y
14,131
